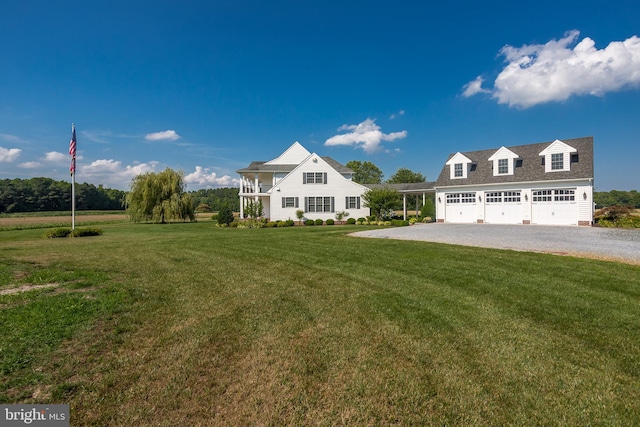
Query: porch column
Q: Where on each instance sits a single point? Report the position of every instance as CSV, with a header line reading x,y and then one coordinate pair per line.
x,y
404,206
242,182
256,188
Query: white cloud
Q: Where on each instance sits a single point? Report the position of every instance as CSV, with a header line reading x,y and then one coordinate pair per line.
x,y
30,165
54,156
204,177
554,71
365,135
169,135
112,173
474,87
10,138
9,154
394,115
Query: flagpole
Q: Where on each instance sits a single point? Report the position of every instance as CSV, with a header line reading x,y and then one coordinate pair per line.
x,y
72,169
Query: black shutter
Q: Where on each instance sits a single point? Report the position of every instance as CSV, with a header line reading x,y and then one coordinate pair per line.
x,y
296,202
346,202
358,202
284,202
304,178
324,178
306,204
333,202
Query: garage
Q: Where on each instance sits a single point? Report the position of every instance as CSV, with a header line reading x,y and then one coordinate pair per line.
x,y
461,207
554,207
503,207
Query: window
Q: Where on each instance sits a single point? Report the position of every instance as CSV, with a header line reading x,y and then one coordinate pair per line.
x,y
565,196
542,195
319,204
495,197
503,166
511,196
457,170
289,202
461,198
557,161
314,177
352,202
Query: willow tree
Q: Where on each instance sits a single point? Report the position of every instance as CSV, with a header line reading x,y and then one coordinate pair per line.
x,y
159,197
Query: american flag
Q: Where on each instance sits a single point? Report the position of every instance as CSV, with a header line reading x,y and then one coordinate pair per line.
x,y
72,149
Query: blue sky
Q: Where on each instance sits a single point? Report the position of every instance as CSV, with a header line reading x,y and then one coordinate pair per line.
x,y
206,87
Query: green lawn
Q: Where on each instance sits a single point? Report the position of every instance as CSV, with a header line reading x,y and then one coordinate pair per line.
x,y
189,324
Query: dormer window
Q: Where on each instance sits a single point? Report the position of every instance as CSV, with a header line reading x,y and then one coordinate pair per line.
x,y
503,166
459,166
558,156
503,161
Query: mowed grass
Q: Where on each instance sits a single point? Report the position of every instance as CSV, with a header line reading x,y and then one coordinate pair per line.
x,y
189,324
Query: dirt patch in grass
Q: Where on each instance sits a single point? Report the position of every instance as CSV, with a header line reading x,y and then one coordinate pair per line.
x,y
26,288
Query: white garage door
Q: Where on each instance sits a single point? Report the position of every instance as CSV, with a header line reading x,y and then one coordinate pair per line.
x,y
554,207
461,207
503,207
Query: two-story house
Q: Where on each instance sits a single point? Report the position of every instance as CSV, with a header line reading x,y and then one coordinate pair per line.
x,y
300,180
547,183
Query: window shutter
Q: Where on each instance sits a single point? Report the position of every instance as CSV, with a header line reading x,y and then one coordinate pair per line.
x,y
296,202
324,178
346,202
358,202
304,177
306,204
333,200
284,202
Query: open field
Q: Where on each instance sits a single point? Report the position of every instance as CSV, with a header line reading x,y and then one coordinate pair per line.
x,y
63,219
189,324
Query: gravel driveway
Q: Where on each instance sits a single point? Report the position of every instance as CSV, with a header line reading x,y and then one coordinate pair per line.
x,y
589,242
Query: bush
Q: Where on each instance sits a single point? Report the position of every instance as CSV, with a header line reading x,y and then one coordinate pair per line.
x,y
319,222
351,221
309,222
84,232
330,221
362,220
58,232
271,224
289,223
225,215
67,232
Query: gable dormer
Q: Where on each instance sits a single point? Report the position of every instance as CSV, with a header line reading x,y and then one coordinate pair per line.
x,y
459,166
557,156
503,161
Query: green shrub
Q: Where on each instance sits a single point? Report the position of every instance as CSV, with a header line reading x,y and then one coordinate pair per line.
x,y
398,222
214,217
362,220
84,232
330,221
225,215
289,222
271,224
309,222
58,232
351,221
234,223
319,221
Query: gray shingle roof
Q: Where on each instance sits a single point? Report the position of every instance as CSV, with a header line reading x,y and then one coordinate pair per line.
x,y
529,167
413,187
263,167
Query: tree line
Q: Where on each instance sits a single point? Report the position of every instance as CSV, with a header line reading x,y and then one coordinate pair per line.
x,y
46,194
617,198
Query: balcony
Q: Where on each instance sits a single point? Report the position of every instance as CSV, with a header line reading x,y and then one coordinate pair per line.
x,y
251,189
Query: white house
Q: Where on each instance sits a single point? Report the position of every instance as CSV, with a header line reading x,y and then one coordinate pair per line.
x,y
546,183
300,180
